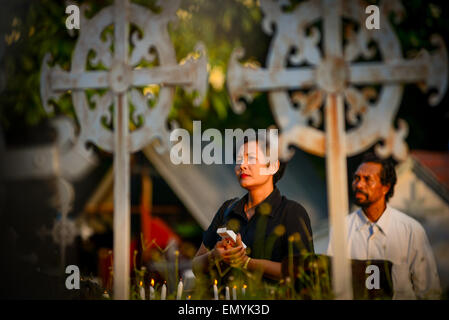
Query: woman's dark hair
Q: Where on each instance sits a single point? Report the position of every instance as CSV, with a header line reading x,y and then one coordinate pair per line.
x,y
278,175
387,173
282,164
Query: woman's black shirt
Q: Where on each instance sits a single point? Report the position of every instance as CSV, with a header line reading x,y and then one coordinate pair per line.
x,y
278,226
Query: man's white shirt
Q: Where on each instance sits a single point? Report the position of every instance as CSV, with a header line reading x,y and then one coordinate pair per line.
x,y
402,240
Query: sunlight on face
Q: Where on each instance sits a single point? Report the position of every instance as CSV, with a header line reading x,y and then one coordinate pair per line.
x,y
367,185
253,167
251,153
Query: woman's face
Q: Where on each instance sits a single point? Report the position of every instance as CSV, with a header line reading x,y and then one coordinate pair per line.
x,y
252,169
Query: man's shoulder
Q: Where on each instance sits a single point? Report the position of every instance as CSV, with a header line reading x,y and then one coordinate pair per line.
x,y
402,219
398,217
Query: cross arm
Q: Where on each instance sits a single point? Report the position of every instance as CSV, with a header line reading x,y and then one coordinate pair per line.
x,y
167,75
192,75
62,81
242,81
428,68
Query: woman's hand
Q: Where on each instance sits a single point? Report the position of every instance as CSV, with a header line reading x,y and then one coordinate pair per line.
x,y
220,249
234,256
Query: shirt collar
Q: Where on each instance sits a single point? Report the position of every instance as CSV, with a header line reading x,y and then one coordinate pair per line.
x,y
384,220
382,223
267,206
362,219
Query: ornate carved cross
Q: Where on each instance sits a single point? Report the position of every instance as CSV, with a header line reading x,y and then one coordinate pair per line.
x,y
339,73
113,67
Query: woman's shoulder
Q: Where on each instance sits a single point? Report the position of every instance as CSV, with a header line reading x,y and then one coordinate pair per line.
x,y
226,205
294,208
296,214
219,215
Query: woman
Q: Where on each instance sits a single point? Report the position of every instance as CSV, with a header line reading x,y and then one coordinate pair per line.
x,y
263,220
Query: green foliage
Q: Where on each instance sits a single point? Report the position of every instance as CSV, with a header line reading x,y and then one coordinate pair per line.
x,y
221,26
41,30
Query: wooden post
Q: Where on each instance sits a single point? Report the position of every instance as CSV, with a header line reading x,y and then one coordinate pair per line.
x,y
337,194
145,213
122,222
192,75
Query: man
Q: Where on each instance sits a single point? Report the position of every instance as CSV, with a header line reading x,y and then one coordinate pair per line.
x,y
378,231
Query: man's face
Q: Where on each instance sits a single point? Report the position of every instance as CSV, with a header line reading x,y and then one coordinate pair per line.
x,y
367,186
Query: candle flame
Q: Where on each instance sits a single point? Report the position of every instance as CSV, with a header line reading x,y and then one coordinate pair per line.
x,y
140,283
215,282
152,282
244,286
235,287
165,281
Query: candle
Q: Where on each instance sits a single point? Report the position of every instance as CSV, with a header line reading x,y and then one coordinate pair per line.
x,y
244,290
142,291
106,295
215,290
234,293
227,295
180,287
188,297
163,292
152,290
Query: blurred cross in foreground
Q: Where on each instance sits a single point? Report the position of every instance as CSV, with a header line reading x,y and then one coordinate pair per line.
x,y
122,82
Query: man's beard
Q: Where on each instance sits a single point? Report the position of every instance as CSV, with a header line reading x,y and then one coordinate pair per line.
x,y
362,202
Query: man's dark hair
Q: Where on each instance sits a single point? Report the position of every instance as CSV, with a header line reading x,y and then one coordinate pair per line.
x,y
282,164
387,173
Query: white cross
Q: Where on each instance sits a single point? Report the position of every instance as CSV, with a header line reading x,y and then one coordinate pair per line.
x,y
121,77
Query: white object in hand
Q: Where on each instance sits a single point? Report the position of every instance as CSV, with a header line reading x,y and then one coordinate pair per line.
x,y
229,235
